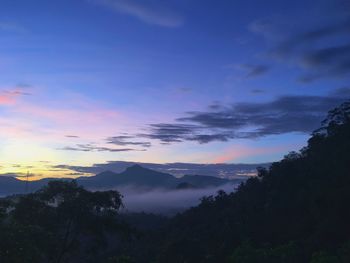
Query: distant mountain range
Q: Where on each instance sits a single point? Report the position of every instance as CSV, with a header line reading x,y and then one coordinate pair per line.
x,y
222,170
134,176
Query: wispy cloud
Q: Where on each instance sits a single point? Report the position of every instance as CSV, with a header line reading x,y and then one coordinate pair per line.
x,y
331,61
257,91
167,202
232,153
266,28
312,35
71,136
148,12
168,132
249,70
254,70
5,99
301,114
57,119
124,140
17,175
94,148
321,51
10,96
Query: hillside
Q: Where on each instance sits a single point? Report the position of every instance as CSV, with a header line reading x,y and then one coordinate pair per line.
x,y
296,211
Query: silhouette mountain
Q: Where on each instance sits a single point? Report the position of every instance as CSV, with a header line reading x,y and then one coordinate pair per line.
x,y
202,181
135,176
10,185
139,176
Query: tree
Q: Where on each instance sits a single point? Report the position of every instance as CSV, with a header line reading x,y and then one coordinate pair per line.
x,y
62,221
323,257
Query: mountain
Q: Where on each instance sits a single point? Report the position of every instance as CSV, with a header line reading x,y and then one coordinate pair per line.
x,y
10,185
139,176
135,176
203,181
222,170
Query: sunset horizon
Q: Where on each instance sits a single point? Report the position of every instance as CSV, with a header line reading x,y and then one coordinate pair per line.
x,y
174,131
98,81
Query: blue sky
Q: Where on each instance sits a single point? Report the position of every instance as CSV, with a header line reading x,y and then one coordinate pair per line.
x,y
90,81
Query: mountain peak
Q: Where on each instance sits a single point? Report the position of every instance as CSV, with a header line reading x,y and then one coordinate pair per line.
x,y
136,167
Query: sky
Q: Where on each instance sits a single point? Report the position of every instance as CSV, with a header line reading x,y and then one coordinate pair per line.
x,y
88,82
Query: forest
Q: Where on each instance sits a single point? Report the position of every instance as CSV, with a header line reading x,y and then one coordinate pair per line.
x,y
297,210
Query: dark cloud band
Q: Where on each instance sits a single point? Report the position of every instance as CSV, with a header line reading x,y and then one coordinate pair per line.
x,y
301,114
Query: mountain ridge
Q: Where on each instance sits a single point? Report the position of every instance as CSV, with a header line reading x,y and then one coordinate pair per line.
x,y
135,175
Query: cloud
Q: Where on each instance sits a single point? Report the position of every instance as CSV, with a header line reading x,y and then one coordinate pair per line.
x,y
69,115
343,91
184,90
54,124
266,28
239,151
170,132
255,70
18,175
94,148
250,70
206,138
9,97
76,174
71,136
299,40
150,13
124,140
23,85
165,201
301,114
332,61
323,52
45,119
17,92
257,91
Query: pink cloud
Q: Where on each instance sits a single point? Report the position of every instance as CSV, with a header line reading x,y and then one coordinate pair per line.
x,y
75,116
6,100
10,96
237,152
39,118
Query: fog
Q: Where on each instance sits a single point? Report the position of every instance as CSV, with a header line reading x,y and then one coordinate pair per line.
x,y
166,202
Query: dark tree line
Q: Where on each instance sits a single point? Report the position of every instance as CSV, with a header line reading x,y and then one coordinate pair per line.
x,y
62,222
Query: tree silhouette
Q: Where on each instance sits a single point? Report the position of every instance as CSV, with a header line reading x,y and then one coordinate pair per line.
x,y
61,221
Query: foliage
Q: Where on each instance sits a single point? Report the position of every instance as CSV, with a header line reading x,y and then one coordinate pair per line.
x,y
58,223
245,253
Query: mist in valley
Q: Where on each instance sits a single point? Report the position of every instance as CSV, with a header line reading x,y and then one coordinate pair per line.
x,y
165,201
